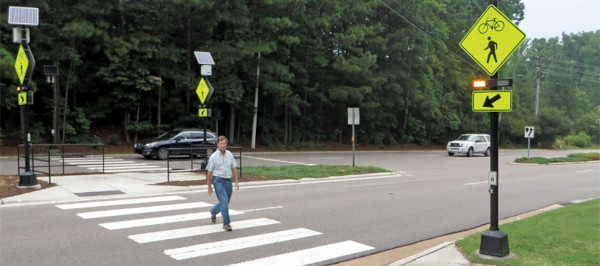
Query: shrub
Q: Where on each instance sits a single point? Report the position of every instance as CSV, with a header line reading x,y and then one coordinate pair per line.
x,y
580,140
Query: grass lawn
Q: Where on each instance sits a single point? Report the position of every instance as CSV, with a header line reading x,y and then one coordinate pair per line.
x,y
574,157
316,171
566,236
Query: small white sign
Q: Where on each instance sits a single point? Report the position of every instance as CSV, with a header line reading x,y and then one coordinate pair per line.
x,y
529,132
353,116
493,178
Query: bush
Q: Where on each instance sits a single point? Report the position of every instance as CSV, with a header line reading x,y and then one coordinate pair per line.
x,y
581,140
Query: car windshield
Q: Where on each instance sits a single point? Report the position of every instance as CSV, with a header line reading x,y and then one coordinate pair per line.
x,y
168,134
463,137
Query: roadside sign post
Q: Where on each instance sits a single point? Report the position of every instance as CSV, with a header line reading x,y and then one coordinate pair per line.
x,y
204,91
490,42
353,119
24,65
529,134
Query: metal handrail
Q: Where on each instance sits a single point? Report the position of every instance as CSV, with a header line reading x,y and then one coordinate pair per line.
x,y
197,149
49,148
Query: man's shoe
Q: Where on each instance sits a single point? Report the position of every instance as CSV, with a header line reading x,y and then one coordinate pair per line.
x,y
227,228
213,217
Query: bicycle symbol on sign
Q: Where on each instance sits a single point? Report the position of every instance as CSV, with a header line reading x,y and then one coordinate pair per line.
x,y
491,24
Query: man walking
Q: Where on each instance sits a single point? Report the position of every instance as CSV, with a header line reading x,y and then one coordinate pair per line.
x,y
220,169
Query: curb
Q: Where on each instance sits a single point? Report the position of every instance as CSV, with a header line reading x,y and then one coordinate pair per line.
x,y
421,254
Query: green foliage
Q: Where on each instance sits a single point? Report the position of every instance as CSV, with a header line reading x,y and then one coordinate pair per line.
x,y
130,64
580,140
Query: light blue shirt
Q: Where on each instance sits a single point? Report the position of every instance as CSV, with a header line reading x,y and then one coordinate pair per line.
x,y
220,165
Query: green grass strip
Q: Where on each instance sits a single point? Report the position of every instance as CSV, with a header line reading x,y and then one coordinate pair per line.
x,y
566,236
574,157
316,171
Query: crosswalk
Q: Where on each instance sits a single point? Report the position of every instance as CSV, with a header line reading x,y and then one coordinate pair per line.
x,y
111,165
146,230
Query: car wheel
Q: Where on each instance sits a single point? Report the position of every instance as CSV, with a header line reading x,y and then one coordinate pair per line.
x,y
487,152
451,153
470,152
147,156
162,153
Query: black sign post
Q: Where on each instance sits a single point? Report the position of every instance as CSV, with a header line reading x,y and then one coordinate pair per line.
x,y
494,242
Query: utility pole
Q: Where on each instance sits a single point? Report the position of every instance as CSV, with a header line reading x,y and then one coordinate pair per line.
x,y
537,87
254,118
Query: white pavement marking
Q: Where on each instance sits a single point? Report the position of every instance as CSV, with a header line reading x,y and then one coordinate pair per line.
x,y
584,171
312,255
161,220
238,243
198,230
476,183
111,213
117,202
100,162
135,170
279,161
124,166
262,209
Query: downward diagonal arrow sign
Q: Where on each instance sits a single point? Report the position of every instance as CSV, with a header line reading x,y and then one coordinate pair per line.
x,y
490,102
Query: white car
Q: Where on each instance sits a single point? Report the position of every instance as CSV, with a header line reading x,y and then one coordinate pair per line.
x,y
469,144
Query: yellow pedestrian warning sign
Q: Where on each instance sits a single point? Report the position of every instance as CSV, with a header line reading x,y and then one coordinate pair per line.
x,y
21,64
492,40
492,101
204,90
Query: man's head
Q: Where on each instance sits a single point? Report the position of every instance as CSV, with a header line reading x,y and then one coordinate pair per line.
x,y
222,143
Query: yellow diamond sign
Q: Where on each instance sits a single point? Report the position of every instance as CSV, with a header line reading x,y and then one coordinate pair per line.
x,y
492,39
21,64
492,101
204,90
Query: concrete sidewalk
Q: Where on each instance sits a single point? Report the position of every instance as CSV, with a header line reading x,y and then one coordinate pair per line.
x,y
439,251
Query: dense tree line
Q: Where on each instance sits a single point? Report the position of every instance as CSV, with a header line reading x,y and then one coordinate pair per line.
x,y
129,66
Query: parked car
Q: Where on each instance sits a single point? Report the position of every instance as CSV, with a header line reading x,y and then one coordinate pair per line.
x,y
469,144
176,138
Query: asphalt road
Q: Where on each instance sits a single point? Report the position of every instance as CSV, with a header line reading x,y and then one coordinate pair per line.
x,y
432,195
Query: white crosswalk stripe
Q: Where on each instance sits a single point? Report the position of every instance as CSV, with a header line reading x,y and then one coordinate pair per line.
x,y
111,165
238,243
110,213
198,230
117,202
310,255
161,220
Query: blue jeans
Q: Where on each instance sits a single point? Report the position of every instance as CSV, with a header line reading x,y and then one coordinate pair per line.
x,y
223,189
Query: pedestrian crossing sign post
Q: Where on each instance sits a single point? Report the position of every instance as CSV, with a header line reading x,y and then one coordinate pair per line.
x,y
492,40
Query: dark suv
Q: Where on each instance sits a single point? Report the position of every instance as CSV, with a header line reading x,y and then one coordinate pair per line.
x,y
176,138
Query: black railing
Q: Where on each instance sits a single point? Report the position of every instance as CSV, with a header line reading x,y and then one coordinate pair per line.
x,y
201,150
54,155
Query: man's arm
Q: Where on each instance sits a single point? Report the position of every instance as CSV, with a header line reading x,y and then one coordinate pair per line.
x,y
209,182
235,177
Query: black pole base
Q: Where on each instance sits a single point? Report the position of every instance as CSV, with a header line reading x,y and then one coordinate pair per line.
x,y
27,179
494,243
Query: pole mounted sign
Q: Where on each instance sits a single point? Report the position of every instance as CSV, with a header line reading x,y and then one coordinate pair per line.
x,y
492,101
492,39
